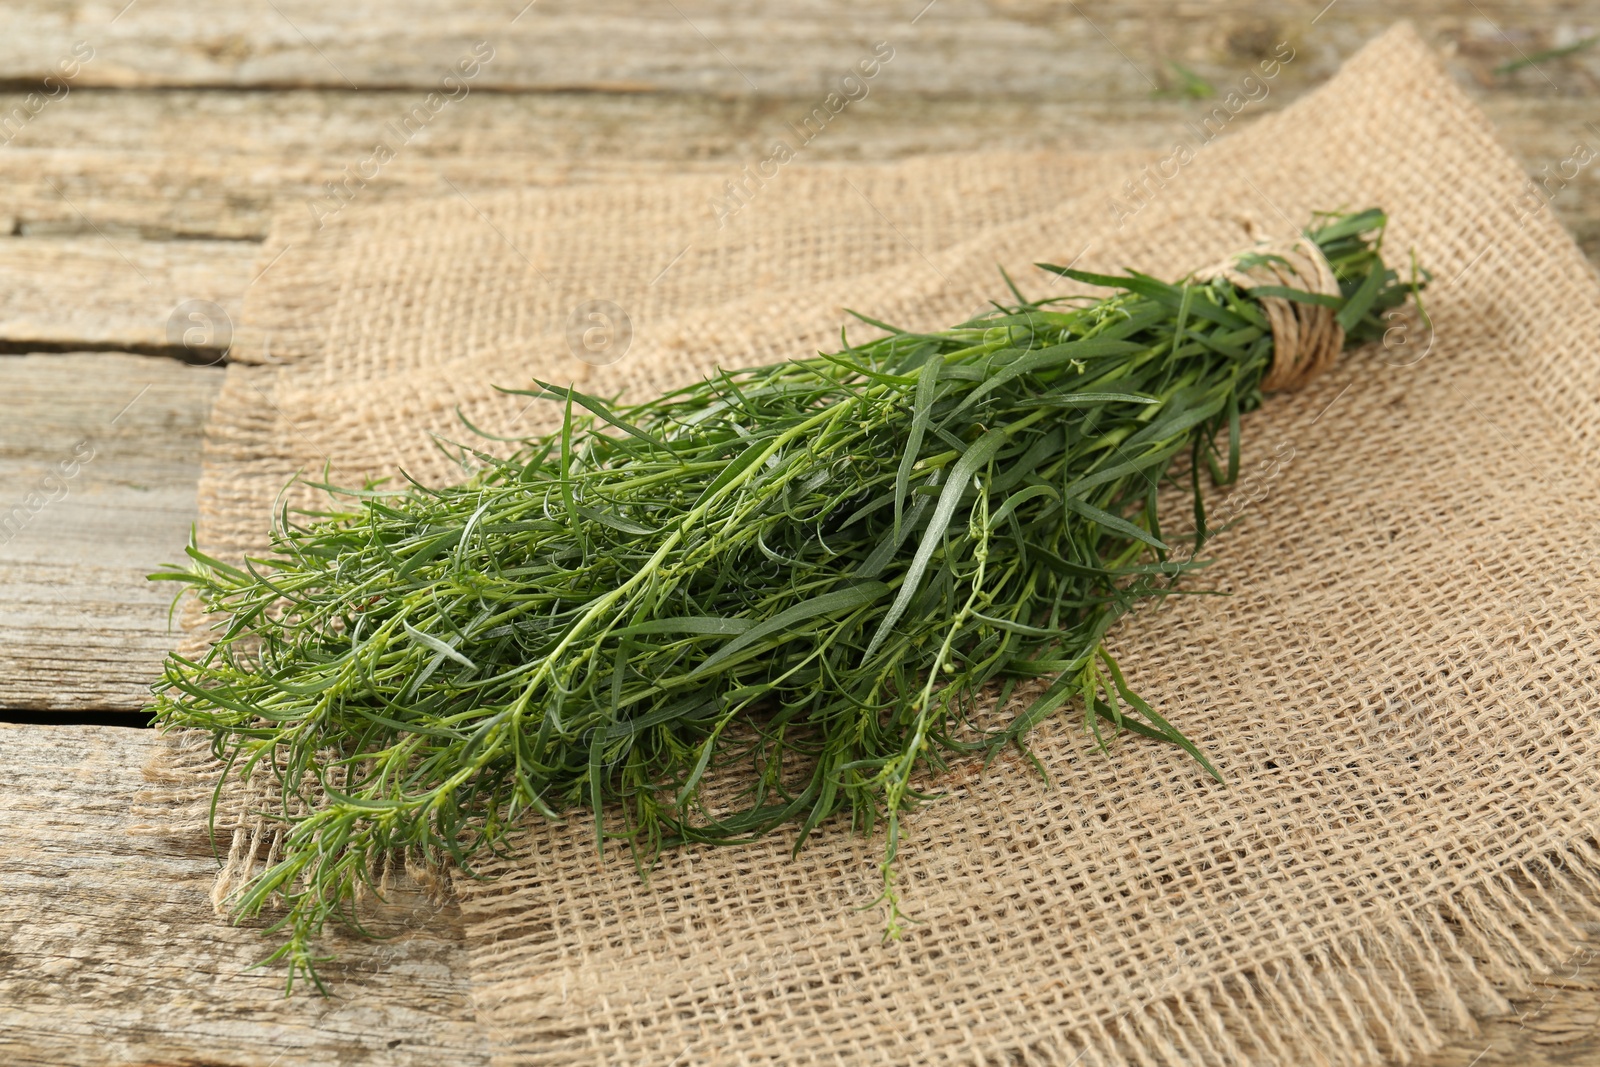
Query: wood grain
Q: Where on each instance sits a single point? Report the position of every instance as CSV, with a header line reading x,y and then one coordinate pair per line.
x,y
96,291
183,164
966,47
110,953
99,458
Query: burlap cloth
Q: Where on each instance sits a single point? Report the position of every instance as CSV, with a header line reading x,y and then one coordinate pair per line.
x,y
1401,690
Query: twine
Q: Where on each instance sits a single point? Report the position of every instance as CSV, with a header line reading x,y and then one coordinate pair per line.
x,y
1306,339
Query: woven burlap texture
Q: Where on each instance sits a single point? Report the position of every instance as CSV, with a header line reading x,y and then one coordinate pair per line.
x,y
1401,689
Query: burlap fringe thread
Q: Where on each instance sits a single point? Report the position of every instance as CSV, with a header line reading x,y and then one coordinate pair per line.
x,y
189,774
1379,996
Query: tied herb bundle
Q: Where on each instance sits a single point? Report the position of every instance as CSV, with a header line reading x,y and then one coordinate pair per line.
x,y
776,595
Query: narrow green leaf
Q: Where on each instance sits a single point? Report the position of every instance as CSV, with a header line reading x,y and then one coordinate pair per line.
x,y
921,414
839,602
971,461
437,645
1112,522
1361,299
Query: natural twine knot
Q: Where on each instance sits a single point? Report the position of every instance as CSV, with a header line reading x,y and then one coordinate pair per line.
x,y
1306,338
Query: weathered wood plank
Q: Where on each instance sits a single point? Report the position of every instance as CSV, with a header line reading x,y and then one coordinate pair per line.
x,y
97,291
99,458
111,166
110,952
1556,1025
124,159
1091,49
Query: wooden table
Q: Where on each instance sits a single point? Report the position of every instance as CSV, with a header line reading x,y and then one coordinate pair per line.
x,y
144,148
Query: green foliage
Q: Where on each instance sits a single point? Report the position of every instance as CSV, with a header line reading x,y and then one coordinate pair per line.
x,y
1190,84
1581,45
800,579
